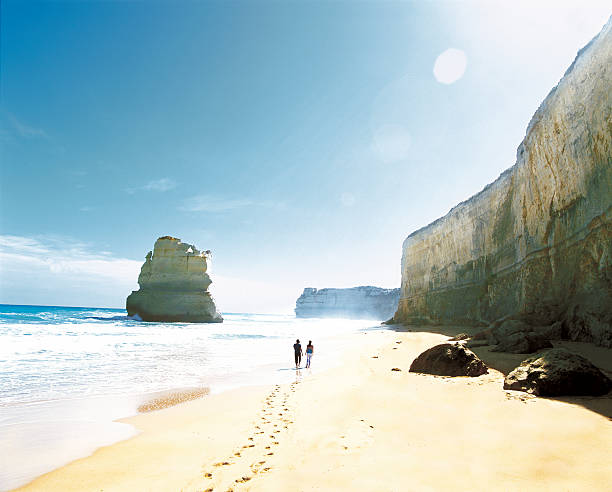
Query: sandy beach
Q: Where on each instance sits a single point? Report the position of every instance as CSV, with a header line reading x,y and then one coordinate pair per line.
x,y
362,426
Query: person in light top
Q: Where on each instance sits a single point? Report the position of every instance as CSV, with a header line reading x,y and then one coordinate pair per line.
x,y
309,351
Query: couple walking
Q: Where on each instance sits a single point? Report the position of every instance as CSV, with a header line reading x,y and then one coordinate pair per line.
x,y
297,350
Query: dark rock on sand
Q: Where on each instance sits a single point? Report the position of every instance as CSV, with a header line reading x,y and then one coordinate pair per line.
x,y
523,343
558,372
502,329
449,359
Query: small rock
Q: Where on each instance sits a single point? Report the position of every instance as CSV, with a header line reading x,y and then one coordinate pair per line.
x,y
459,337
396,369
558,372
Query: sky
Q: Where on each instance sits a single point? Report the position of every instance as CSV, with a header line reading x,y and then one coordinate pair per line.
x,y
301,142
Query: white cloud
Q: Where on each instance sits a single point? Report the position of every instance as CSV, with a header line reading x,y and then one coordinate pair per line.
x,y
26,131
52,270
161,185
450,66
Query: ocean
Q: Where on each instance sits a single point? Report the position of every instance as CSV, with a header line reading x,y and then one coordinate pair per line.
x,y
69,372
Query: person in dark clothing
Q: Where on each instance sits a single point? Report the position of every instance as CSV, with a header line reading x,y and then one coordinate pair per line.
x,y
297,350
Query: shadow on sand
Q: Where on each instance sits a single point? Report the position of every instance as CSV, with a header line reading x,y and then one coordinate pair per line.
x,y
506,362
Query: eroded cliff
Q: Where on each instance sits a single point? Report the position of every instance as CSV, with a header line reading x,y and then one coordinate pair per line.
x,y
364,302
536,244
173,285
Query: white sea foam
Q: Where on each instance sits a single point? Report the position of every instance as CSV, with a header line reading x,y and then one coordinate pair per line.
x,y
69,372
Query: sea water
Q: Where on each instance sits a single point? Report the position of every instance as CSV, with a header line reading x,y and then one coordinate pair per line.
x,y
68,372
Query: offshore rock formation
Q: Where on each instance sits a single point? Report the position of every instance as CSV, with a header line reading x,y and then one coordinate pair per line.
x,y
365,302
174,285
536,244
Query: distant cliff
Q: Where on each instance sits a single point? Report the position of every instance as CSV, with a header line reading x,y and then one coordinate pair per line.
x,y
173,285
536,244
364,302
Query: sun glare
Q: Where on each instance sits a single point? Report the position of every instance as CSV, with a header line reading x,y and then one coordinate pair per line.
x,y
450,66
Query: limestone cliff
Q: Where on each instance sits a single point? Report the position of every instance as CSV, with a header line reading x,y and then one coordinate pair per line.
x,y
536,244
173,285
363,302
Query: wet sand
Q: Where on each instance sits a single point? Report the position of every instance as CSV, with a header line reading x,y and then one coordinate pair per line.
x,y
360,426
171,398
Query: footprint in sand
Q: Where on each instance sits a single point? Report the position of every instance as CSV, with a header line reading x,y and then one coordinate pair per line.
x,y
237,453
209,490
243,479
270,454
267,447
222,463
208,475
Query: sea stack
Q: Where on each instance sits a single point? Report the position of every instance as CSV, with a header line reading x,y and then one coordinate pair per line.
x,y
174,285
536,244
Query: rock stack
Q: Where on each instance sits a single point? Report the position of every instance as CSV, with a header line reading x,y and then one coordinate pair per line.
x,y
364,302
174,285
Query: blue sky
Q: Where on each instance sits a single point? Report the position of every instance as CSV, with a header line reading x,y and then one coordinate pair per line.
x,y
299,141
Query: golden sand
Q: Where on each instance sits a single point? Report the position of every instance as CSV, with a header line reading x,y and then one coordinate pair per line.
x,y
360,427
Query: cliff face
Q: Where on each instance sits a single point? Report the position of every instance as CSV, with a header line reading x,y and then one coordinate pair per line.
x,y
364,302
173,285
537,243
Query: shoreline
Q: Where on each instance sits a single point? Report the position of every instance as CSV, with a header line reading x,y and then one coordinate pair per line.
x,y
46,435
358,426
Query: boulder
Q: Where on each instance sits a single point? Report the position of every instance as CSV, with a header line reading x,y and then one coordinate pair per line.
x,y
173,285
459,337
589,318
500,331
558,372
523,343
449,359
552,332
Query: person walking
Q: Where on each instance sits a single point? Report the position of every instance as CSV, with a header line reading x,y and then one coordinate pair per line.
x,y
309,351
297,350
